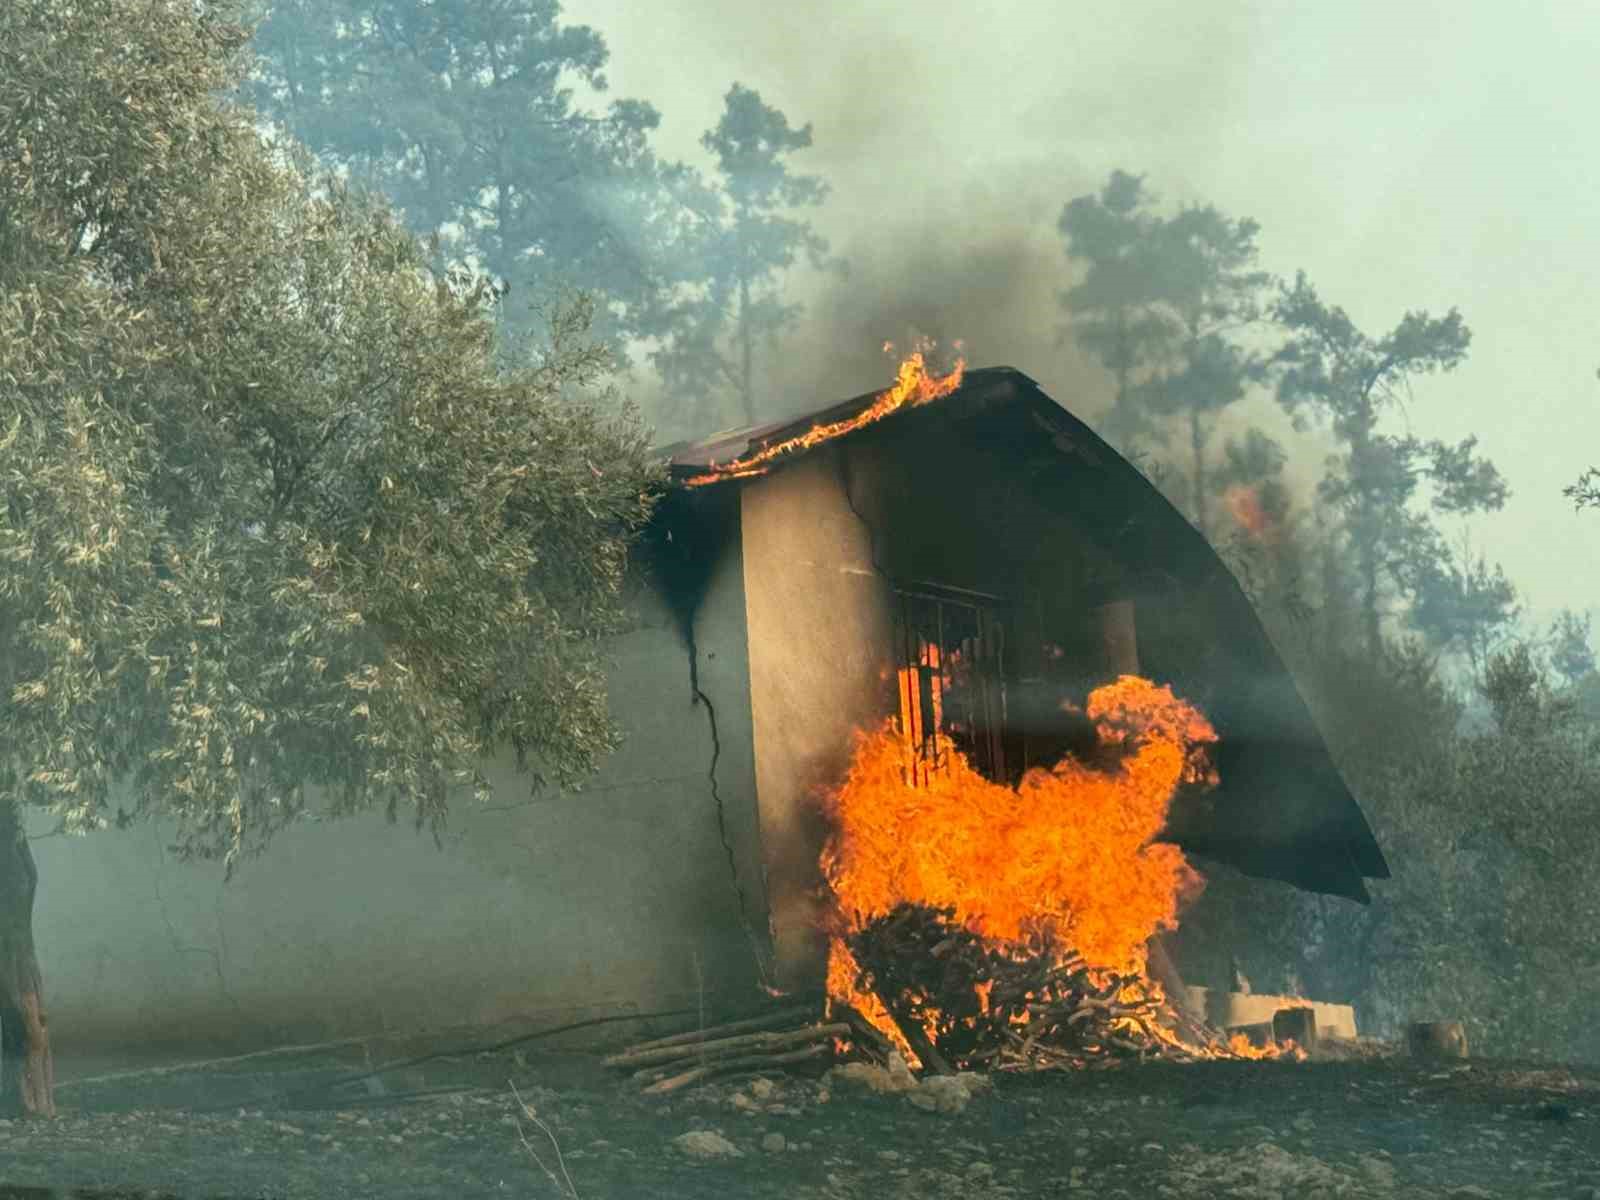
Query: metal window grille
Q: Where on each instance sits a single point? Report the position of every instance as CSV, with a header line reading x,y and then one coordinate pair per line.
x,y
952,687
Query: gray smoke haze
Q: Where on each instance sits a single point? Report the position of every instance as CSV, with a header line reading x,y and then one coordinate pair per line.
x,y
959,267
1407,157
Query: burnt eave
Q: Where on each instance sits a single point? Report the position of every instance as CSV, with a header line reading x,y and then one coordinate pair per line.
x,y
686,460
1284,811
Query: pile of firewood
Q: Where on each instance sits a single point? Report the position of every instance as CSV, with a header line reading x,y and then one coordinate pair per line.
x,y
957,1002
960,1002
784,1038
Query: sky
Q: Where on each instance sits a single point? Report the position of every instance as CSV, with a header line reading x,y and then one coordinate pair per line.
x,y
1407,156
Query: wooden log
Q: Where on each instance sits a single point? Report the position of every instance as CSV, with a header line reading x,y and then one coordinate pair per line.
x,y
1194,1030
1437,1039
819,1034
922,1046
1086,1010
1110,989
866,1035
785,1015
917,1038
944,947
728,1066
1066,972
722,1047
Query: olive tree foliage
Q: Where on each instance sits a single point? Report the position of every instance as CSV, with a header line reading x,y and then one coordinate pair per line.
x,y
277,536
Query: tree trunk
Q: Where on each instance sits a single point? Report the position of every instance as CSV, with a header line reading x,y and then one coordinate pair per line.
x,y
746,375
26,1073
1197,448
1366,530
1124,353
1371,622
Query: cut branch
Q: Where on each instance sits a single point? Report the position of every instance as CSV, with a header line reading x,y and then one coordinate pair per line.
x,y
781,1016
865,1036
729,1066
723,1046
921,1045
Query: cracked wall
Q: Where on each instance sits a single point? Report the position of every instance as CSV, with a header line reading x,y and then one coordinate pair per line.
x,y
565,905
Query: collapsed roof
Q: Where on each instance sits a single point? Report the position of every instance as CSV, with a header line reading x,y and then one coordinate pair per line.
x,y
1283,811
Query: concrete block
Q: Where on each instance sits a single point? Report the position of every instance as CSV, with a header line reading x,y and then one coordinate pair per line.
x,y
1227,1009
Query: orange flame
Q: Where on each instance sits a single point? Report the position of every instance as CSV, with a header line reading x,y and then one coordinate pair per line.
x,y
1070,852
913,386
1244,502
1240,1046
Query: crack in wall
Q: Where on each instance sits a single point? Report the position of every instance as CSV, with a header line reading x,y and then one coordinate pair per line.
x,y
763,966
693,532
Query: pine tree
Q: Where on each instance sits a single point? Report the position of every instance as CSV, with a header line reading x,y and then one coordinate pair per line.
x,y
744,241
465,115
1329,370
1162,303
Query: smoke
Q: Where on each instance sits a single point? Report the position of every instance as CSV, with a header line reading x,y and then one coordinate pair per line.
x,y
950,236
950,148
980,264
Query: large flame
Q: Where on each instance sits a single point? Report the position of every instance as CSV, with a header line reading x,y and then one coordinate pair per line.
x,y
914,385
1067,858
1069,851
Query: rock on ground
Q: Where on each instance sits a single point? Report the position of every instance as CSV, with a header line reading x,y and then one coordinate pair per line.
x,y
947,1094
704,1143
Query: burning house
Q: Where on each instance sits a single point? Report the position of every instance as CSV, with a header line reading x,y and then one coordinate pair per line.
x,y
986,670
935,655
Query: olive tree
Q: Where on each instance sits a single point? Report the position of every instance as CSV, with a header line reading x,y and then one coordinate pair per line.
x,y
278,536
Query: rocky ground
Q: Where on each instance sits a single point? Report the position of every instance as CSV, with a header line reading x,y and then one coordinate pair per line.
x,y
1387,1128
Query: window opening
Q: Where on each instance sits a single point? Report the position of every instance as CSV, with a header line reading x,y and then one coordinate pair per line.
x,y
952,647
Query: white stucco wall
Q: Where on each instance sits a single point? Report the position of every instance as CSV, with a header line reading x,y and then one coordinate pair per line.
x,y
821,628
618,895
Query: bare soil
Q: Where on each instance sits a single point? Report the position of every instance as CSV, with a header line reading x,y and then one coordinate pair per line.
x,y
1388,1128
